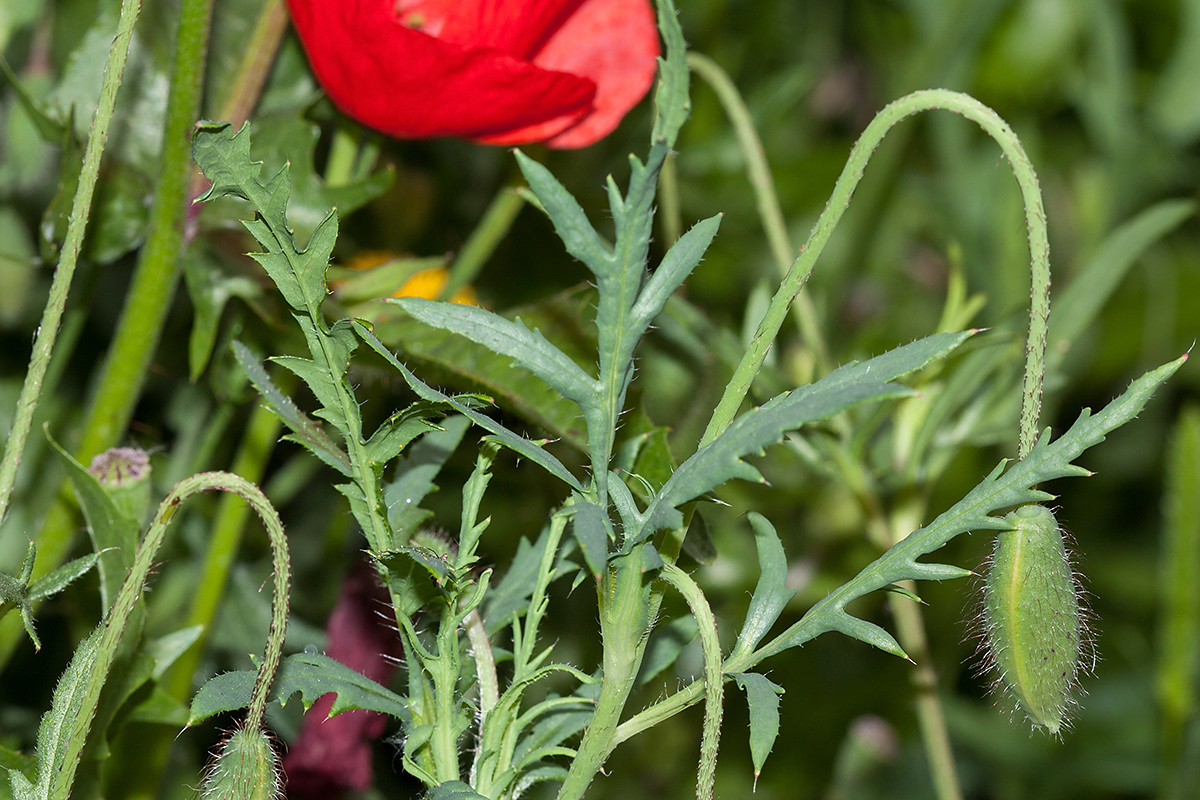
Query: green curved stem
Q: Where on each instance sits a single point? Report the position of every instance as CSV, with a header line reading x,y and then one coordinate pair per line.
x,y
47,332
714,684
113,626
258,442
759,174
1039,249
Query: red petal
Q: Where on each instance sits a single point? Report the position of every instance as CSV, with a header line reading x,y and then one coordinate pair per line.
x,y
615,44
408,84
519,28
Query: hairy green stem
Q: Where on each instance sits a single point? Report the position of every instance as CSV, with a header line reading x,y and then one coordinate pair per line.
x,y
250,461
124,369
624,620
801,269
714,684
43,345
759,174
114,624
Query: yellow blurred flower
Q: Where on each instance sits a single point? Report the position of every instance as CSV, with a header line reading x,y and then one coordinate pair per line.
x,y
427,282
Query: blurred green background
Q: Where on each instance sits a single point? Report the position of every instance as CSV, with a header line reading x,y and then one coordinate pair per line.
x,y
1105,96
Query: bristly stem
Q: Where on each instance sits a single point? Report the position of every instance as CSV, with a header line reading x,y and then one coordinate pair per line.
x,y
47,332
759,174
114,624
1039,247
714,682
144,314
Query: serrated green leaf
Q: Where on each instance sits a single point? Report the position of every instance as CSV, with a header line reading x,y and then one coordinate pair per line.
x,y
676,265
506,437
305,431
58,724
299,274
771,595
671,101
61,578
415,473
433,562
453,360
1001,489
853,384
529,349
309,674
762,696
570,223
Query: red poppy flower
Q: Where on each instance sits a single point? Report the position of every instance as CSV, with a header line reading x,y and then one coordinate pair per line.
x,y
497,71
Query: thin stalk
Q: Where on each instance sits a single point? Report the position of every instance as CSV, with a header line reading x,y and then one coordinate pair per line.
x,y
669,213
114,624
47,333
759,174
910,630
1039,248
714,684
250,461
124,370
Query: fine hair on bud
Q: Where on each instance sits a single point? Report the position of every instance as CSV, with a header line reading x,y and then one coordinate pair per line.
x,y
1034,636
246,768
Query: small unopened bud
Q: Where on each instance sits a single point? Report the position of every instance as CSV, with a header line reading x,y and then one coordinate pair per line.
x,y
246,768
1034,617
125,473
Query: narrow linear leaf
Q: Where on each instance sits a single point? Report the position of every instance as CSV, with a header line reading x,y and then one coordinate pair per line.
x,y
1092,287
570,223
528,348
676,265
305,431
848,386
517,444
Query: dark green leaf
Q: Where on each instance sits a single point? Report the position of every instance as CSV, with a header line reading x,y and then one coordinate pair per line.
x,y
591,527
529,349
771,595
114,534
1002,489
506,437
311,675
762,696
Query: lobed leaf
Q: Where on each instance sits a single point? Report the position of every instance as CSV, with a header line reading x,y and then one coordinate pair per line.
x,y
1002,489
311,675
516,443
